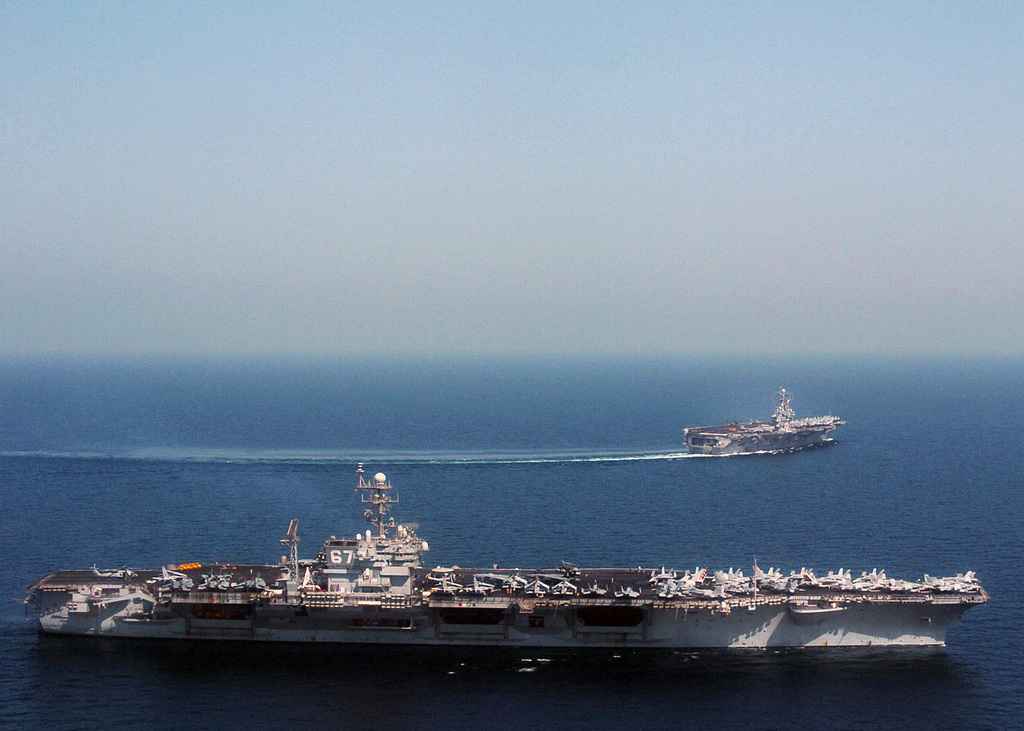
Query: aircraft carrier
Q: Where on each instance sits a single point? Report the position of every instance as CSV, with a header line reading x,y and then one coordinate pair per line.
x,y
372,589
783,433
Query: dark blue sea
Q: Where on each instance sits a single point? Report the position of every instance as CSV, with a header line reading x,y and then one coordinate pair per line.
x,y
522,462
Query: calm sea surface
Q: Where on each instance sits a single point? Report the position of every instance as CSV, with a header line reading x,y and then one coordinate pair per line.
x,y
522,463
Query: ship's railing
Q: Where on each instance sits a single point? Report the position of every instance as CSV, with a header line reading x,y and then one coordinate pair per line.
x,y
215,597
328,599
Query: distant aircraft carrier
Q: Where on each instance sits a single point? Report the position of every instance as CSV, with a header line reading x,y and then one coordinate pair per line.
x,y
371,589
782,434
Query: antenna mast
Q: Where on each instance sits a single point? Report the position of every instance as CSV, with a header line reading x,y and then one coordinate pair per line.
x,y
783,413
378,500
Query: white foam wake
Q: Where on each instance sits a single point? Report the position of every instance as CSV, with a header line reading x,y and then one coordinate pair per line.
x,y
277,456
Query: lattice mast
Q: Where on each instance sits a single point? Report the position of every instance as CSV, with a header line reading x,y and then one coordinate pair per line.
x,y
379,502
291,539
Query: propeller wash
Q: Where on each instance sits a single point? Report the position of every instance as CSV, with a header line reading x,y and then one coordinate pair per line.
x,y
372,590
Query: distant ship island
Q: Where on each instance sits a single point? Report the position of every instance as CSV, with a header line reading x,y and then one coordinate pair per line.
x,y
782,434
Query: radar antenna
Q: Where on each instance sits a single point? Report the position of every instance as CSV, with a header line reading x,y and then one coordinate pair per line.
x,y
378,500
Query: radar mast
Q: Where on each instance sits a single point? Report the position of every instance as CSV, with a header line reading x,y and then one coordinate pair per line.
x,y
378,501
783,413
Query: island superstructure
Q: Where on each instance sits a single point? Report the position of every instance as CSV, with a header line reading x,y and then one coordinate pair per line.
x,y
783,433
372,589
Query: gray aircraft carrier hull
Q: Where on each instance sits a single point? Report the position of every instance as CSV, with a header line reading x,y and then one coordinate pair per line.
x,y
722,443
801,619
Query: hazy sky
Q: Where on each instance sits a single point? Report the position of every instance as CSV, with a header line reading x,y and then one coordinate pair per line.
x,y
511,176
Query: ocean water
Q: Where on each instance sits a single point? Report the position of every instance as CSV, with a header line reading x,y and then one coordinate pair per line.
x,y
522,462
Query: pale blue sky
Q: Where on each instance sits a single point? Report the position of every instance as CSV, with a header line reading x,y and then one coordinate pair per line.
x,y
512,177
